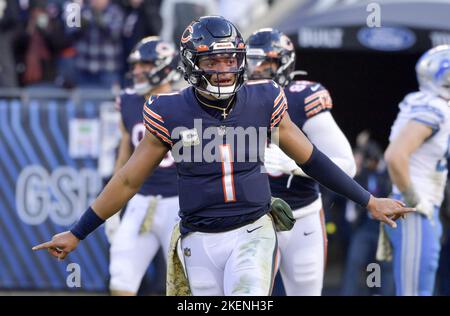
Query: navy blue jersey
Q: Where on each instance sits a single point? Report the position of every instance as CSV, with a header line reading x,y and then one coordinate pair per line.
x,y
219,174
164,179
306,99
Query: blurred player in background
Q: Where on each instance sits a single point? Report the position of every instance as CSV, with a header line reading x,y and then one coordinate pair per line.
x,y
151,214
271,55
417,163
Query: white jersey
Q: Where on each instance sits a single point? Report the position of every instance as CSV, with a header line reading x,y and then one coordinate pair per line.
x,y
428,164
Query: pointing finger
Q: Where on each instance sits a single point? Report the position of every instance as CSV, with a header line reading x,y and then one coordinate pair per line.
x,y
44,245
404,210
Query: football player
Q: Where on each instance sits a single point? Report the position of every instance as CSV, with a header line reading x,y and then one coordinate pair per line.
x,y
228,237
271,55
417,163
151,214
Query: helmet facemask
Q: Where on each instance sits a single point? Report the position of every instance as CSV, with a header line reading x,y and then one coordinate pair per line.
x,y
158,61
157,75
279,69
220,83
261,67
141,79
271,55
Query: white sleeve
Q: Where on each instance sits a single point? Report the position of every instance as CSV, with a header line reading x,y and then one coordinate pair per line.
x,y
326,135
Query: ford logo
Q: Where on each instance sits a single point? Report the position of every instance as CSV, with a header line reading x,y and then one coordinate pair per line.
x,y
386,38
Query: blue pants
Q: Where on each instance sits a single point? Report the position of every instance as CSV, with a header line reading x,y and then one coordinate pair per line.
x,y
416,246
443,274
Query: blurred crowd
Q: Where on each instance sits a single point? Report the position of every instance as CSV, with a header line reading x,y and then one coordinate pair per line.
x,y
85,43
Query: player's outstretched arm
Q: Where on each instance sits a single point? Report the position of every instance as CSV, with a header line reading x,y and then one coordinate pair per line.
x,y
122,186
318,166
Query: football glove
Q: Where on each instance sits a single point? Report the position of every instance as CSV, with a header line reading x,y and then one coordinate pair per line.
x,y
276,160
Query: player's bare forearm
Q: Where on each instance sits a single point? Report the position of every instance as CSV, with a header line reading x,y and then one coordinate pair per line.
x,y
127,181
398,167
399,151
293,142
124,152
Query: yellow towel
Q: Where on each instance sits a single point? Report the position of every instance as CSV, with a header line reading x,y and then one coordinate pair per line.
x,y
384,249
147,222
177,283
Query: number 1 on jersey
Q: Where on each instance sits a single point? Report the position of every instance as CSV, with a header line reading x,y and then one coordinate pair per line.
x,y
227,173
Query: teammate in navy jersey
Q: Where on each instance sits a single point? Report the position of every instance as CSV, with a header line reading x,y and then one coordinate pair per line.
x,y
271,55
228,239
151,214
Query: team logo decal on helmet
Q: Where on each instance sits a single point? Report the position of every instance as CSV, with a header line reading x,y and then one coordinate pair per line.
x,y
187,34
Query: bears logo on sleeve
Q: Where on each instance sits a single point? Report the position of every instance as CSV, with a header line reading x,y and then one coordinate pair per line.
x,y
320,100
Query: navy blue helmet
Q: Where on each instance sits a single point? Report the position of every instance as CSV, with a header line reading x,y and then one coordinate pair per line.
x,y
162,56
267,47
208,36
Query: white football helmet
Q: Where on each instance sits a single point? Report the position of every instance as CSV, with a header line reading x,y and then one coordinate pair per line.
x,y
433,71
